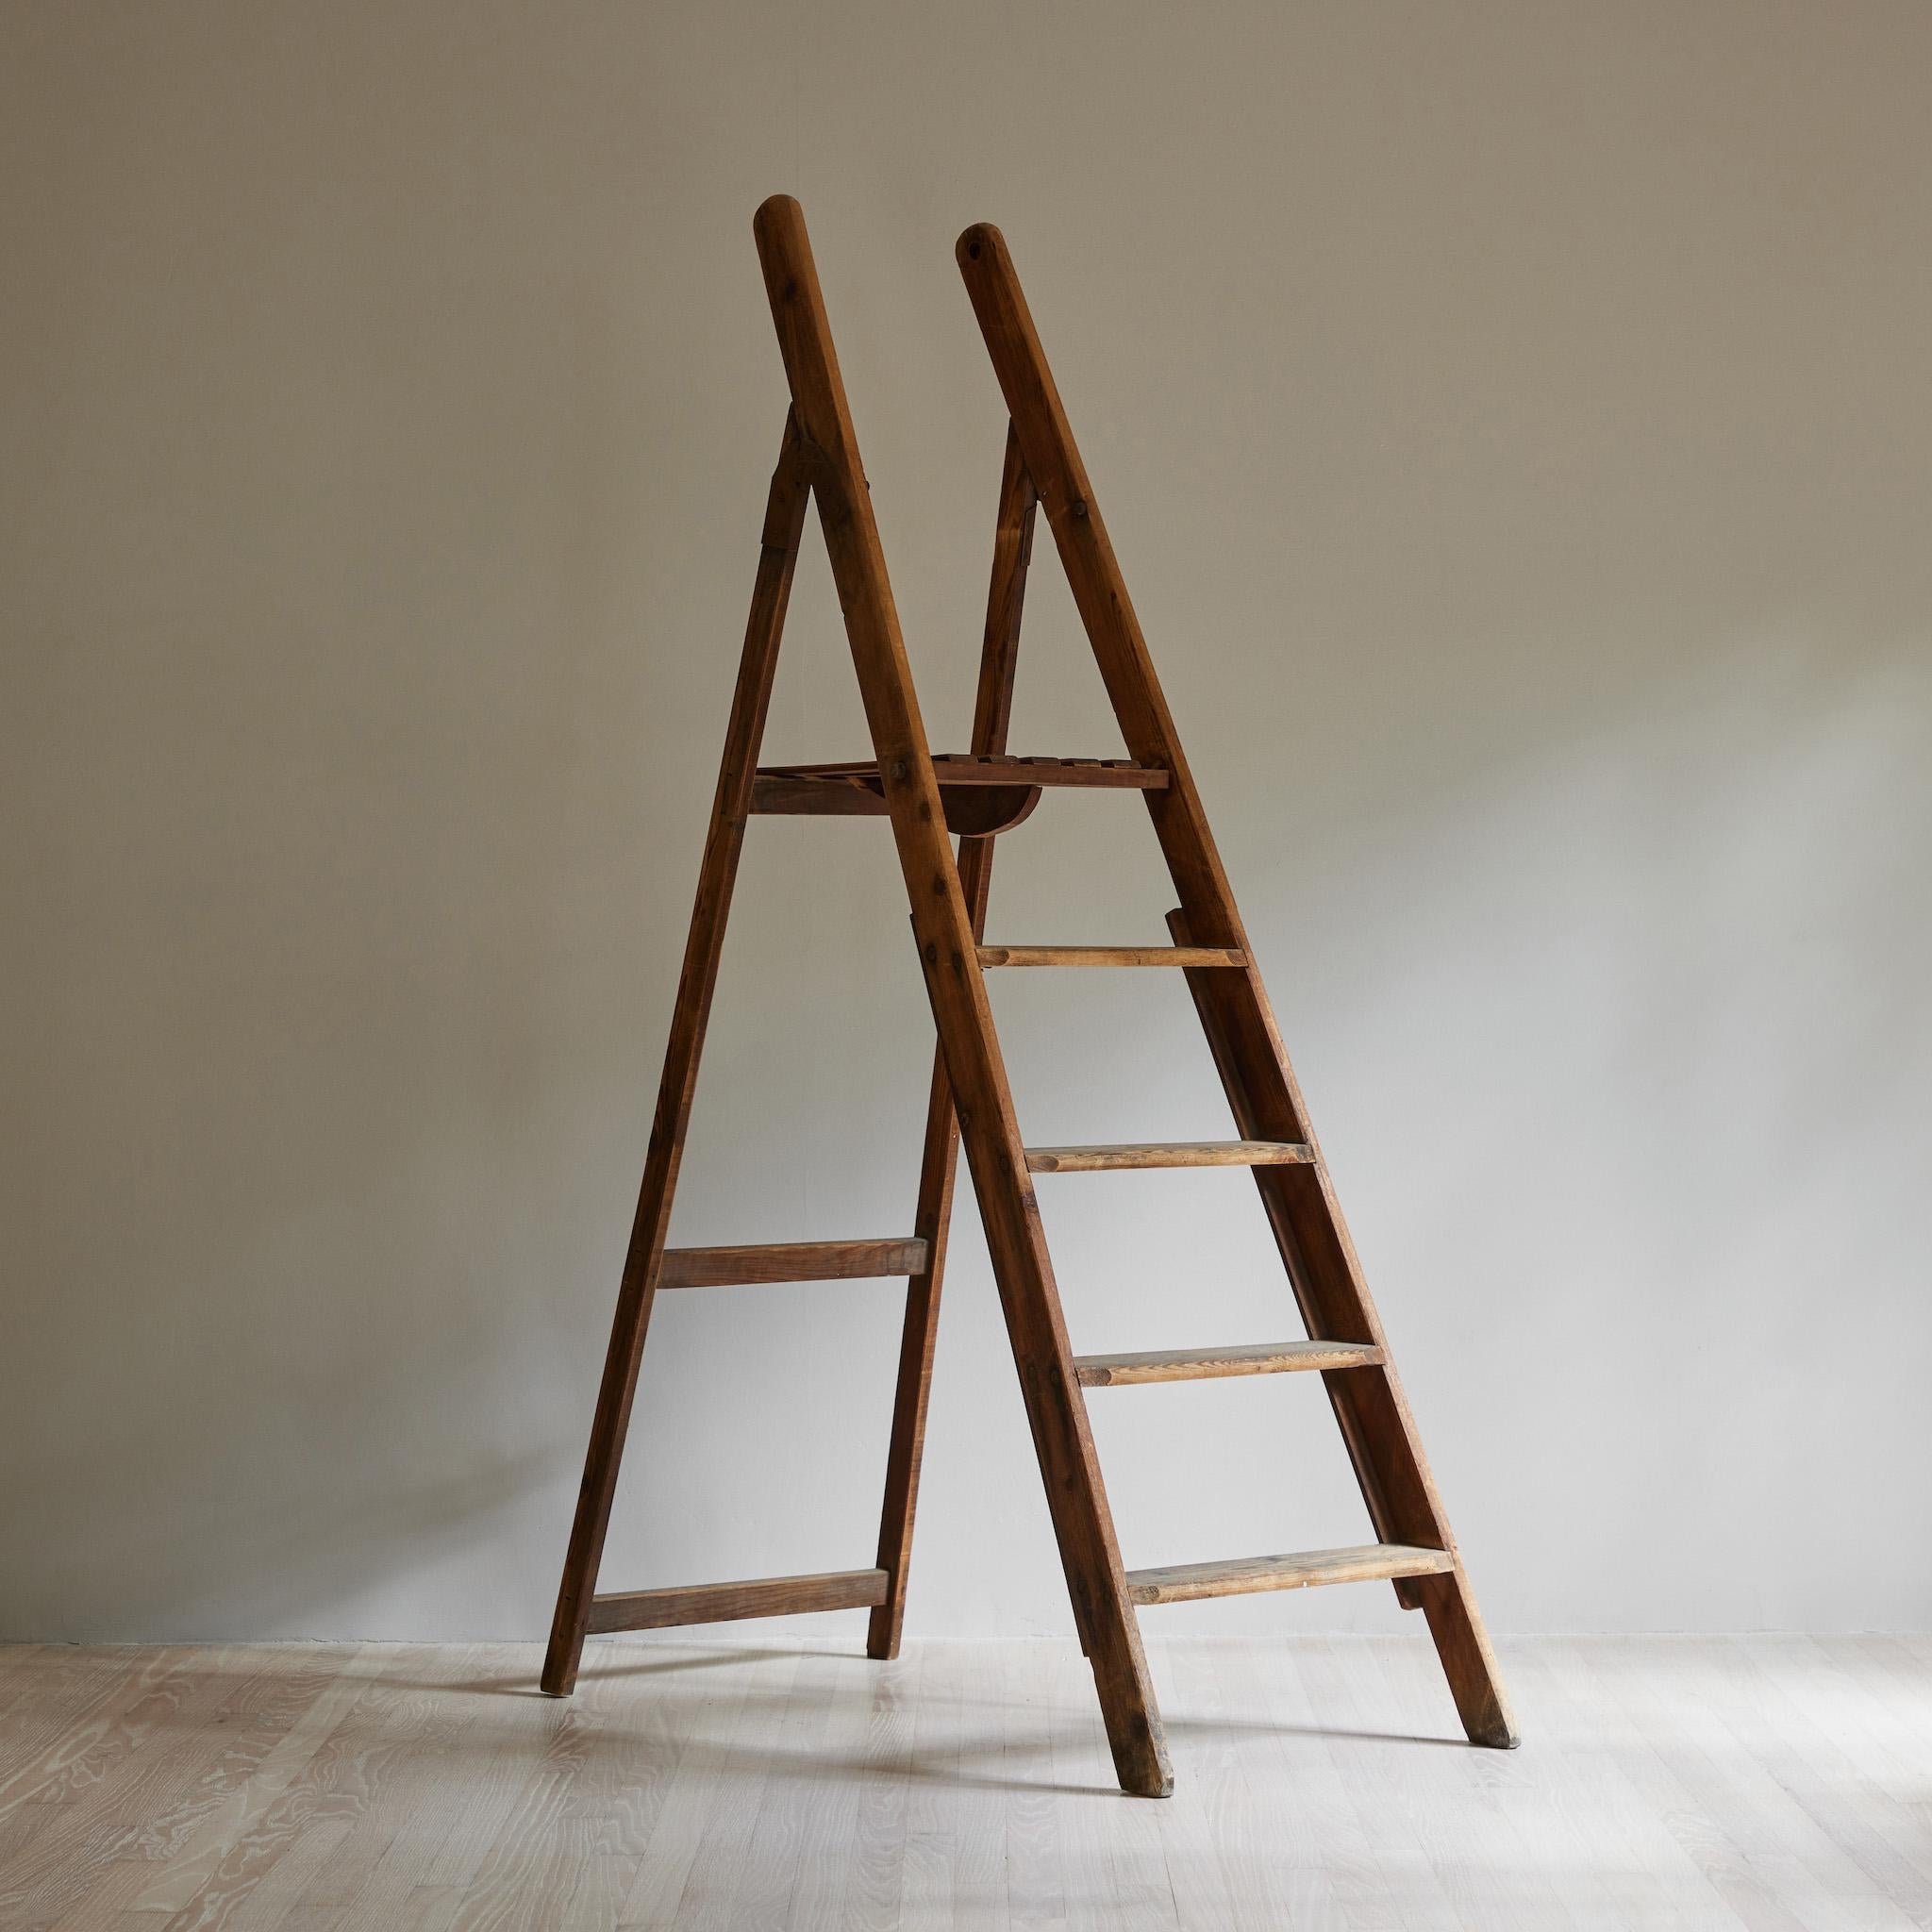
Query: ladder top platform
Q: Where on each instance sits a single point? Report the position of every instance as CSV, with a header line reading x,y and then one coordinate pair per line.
x,y
964,768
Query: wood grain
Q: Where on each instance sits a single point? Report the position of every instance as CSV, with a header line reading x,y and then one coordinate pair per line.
x,y
964,770
1118,1156
1694,1784
1243,1576
1111,956
1209,1364
723,1603
792,1262
972,811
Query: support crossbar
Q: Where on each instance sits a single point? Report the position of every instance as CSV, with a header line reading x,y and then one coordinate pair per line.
x,y
792,1262
727,1602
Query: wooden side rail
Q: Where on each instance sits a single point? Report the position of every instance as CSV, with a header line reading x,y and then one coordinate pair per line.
x,y
943,932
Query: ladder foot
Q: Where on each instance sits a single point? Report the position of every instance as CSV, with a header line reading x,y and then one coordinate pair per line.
x,y
882,1634
1493,1732
1145,1776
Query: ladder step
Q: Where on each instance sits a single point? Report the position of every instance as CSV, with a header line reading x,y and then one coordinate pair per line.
x,y
791,1261
981,796
1239,1575
724,1603
1111,956
1207,1364
1003,767
1169,1154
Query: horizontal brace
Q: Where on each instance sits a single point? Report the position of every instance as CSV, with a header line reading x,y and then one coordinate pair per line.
x,y
725,1603
1111,956
1169,1154
1209,1364
792,1262
1242,1576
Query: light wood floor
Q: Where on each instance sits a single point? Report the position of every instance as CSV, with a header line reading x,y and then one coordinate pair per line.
x,y
1775,1783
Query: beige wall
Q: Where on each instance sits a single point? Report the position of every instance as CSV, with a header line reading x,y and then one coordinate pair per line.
x,y
1514,421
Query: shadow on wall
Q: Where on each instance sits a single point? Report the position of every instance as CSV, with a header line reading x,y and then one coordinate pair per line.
x,y
1519,462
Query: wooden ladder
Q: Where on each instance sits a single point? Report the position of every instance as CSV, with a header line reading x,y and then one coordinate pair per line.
x,y
976,795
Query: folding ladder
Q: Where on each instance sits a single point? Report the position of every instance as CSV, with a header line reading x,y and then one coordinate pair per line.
x,y
974,796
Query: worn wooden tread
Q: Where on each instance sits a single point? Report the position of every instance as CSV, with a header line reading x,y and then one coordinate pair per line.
x,y
1112,955
1241,1575
792,1262
1169,1154
1207,1364
724,1603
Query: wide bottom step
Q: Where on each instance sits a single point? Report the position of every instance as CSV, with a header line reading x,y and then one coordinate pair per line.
x,y
1181,1583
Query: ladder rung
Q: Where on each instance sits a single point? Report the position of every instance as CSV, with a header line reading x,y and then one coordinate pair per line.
x,y
1238,1576
1206,1364
791,1261
1111,956
723,1603
1169,1154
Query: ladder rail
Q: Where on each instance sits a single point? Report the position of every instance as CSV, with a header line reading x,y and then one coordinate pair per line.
x,y
938,1166
943,930
698,981
1313,1238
